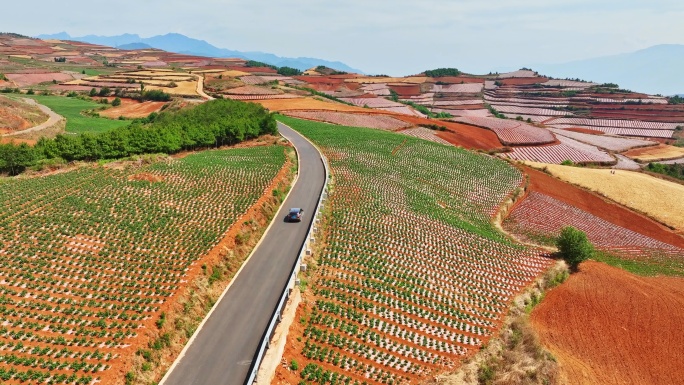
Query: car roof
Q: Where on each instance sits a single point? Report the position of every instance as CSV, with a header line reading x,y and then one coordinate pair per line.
x,y
295,210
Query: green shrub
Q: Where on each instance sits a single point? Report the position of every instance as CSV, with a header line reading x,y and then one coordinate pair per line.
x,y
574,246
116,102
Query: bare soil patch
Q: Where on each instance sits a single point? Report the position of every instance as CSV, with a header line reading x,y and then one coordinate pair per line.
x,y
607,326
147,177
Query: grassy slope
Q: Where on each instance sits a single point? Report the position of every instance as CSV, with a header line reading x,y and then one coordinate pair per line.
x,y
416,172
71,109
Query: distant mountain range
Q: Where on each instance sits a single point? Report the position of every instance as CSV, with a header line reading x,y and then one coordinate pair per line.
x,y
174,42
654,70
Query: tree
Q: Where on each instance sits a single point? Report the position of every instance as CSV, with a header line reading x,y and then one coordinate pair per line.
x,y
93,92
116,102
574,246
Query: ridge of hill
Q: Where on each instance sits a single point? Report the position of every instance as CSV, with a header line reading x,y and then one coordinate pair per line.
x,y
654,70
178,43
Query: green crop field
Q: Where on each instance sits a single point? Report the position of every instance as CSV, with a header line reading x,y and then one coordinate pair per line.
x,y
71,109
413,277
88,257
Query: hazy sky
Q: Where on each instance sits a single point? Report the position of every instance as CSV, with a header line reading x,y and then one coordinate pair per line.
x,y
397,37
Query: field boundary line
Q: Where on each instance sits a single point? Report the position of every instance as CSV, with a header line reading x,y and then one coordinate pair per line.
x,y
230,284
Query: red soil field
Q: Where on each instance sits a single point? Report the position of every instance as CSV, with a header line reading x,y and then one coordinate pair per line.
x,y
607,326
611,212
132,109
458,134
585,131
405,90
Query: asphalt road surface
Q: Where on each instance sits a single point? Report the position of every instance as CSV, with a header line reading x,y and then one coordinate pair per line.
x,y
224,348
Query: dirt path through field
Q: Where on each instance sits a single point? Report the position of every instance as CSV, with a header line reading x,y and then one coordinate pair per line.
x,y
607,326
53,119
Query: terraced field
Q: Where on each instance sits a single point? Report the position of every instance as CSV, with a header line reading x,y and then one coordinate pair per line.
x,y
90,258
542,215
413,277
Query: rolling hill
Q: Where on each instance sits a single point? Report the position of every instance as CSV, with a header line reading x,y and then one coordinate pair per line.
x,y
174,42
654,70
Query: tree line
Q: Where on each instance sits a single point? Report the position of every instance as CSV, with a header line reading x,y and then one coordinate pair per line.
x,y
212,124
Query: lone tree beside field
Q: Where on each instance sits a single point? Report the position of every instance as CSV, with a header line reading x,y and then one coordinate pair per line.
x,y
574,246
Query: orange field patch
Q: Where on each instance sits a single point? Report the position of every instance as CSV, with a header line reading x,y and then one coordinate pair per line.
x,y
607,326
130,108
307,104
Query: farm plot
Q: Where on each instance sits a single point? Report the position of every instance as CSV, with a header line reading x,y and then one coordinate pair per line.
x,y
656,153
16,115
638,132
72,108
515,110
413,276
631,124
424,133
354,120
611,143
512,132
657,198
468,88
542,215
568,149
89,258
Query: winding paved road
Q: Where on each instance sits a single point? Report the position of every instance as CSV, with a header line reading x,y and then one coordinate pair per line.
x,y
53,118
224,348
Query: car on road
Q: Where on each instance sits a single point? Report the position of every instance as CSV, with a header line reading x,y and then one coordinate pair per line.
x,y
295,215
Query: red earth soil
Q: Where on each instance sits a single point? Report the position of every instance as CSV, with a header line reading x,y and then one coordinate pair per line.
x,y
130,108
611,212
458,134
585,130
405,90
9,139
607,326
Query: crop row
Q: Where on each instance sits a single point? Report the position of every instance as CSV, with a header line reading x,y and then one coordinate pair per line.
x,y
354,120
412,277
568,149
608,142
512,132
87,257
634,124
546,216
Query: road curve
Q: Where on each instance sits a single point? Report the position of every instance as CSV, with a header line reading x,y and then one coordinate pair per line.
x,y
223,349
53,118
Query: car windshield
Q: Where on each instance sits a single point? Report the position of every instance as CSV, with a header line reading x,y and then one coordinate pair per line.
x,y
294,211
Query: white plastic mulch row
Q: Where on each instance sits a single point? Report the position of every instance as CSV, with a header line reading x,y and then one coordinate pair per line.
x,y
568,149
611,143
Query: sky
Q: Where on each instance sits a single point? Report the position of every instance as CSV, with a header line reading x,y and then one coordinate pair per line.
x,y
397,37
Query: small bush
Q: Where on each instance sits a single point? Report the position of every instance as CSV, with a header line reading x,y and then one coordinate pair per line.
x,y
574,246
116,102
294,366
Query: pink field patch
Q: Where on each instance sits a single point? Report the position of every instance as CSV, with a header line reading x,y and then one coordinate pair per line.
x,y
25,80
568,149
544,215
353,120
512,132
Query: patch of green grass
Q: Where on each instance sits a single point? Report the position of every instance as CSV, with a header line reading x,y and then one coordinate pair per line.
x,y
71,109
655,265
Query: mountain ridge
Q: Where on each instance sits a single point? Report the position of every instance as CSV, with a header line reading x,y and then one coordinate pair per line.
x,y
653,70
179,43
